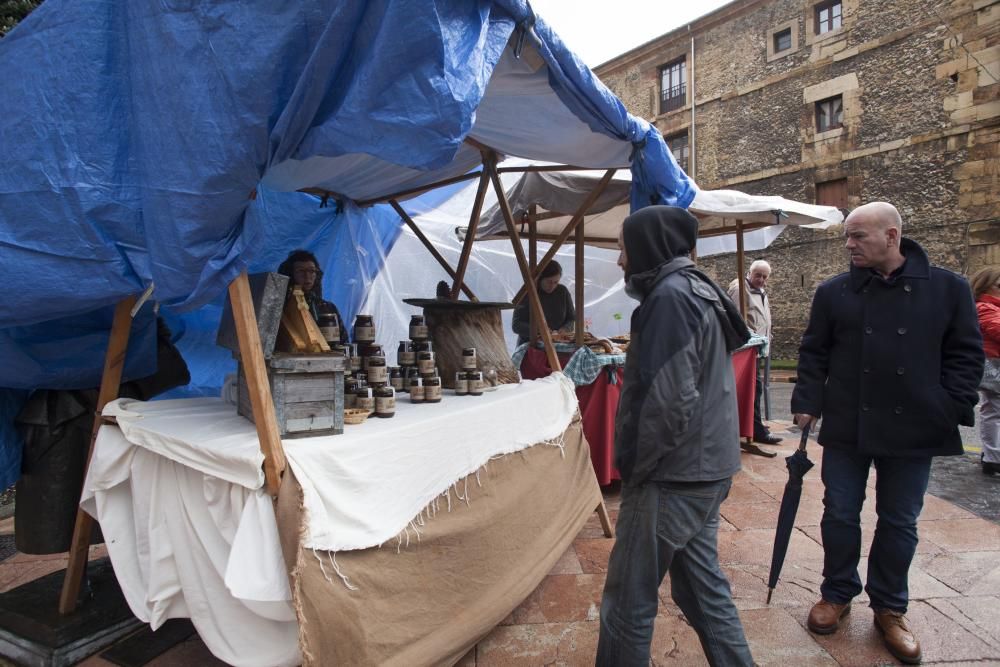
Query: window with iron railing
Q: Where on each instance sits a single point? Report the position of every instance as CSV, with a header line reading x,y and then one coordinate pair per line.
x,y
673,86
678,145
829,16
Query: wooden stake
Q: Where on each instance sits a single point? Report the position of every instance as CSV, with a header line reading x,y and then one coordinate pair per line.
x,y
430,246
522,263
114,363
258,386
470,238
741,269
602,514
578,279
568,229
533,332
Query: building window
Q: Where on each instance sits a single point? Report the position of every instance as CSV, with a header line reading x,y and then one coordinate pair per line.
x,y
782,40
828,16
832,193
673,86
678,145
830,113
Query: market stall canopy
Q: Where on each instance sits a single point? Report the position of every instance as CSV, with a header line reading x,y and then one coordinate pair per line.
x,y
135,147
558,194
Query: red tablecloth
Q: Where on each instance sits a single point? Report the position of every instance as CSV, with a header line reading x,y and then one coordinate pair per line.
x,y
599,404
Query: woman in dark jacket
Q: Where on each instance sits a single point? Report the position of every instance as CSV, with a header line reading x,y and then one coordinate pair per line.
x,y
303,269
557,304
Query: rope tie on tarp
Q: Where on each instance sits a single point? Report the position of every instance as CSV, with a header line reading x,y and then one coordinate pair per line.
x,y
637,147
525,26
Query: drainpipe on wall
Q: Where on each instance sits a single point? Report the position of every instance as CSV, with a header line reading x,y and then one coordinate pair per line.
x,y
691,82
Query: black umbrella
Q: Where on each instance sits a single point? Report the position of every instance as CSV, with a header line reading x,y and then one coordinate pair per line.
x,y
798,465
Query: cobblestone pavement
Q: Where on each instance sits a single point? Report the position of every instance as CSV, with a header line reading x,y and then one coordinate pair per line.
x,y
954,588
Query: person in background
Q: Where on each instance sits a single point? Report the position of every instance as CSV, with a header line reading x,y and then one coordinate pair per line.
x,y
759,320
557,304
890,359
303,269
676,446
986,288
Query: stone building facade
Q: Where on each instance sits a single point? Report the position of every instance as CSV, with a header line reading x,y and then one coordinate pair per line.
x,y
838,102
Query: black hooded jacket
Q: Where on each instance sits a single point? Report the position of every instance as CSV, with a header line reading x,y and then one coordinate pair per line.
x,y
677,417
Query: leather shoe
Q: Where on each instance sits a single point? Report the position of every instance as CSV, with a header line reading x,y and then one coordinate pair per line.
x,y
825,616
897,636
767,439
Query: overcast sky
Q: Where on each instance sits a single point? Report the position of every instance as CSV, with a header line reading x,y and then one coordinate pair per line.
x,y
599,31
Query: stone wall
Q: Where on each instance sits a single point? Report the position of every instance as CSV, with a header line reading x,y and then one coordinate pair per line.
x,y
921,126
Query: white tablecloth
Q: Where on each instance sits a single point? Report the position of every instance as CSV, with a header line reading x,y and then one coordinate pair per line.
x,y
178,490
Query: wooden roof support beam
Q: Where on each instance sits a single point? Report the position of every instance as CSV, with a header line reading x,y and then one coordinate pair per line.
x,y
522,263
470,237
114,364
568,229
430,247
420,189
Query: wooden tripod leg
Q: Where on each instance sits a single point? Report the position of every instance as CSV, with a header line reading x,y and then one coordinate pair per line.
x,y
114,363
602,514
258,387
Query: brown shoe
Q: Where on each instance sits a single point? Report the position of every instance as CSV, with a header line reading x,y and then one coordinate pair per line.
x,y
897,636
824,617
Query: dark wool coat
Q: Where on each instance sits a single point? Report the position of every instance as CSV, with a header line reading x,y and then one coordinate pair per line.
x,y
892,366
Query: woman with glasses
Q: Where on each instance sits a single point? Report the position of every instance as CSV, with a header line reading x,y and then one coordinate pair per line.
x,y
303,269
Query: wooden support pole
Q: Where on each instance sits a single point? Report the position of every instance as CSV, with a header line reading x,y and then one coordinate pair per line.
x,y
470,238
411,192
258,386
114,364
578,280
602,514
533,332
741,269
430,246
522,263
571,226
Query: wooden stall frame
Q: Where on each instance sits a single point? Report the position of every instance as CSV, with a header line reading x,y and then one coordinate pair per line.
x,y
252,356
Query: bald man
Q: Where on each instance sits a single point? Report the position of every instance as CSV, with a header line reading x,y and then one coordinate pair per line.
x,y
891,359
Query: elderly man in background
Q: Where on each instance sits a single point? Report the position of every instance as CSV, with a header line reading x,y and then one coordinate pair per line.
x,y
758,317
891,359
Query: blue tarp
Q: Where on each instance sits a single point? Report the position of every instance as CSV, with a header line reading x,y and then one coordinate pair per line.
x,y
135,135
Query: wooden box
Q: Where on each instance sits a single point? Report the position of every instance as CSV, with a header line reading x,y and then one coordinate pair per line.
x,y
308,394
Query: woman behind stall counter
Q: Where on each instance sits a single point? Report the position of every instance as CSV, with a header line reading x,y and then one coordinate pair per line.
x,y
557,304
303,269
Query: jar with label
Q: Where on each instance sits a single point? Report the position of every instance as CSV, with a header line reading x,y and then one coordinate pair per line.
x,y
362,378
475,382
418,328
352,351
469,361
350,392
422,346
396,378
425,362
416,385
432,389
365,399
364,329
377,371
385,402
405,356
461,383
329,326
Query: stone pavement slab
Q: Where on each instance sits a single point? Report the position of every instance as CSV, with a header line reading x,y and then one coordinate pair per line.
x,y
954,587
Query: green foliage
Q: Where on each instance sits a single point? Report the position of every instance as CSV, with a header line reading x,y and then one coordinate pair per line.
x,y
13,12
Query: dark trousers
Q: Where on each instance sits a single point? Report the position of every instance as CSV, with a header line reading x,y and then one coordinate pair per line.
x,y
671,528
899,496
759,429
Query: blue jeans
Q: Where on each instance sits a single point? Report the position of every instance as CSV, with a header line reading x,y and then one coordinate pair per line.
x,y
669,527
899,496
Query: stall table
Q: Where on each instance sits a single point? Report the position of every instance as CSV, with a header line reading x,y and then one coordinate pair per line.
x,y
599,378
378,535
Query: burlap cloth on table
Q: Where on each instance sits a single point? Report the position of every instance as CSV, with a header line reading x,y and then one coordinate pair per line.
x,y
432,601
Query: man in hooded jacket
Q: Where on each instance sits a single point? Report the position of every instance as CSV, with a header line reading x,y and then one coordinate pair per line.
x,y
676,446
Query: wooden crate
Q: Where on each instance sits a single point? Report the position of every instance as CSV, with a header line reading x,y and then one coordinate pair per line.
x,y
308,394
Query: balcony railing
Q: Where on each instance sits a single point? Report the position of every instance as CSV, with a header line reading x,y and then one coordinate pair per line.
x,y
673,98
